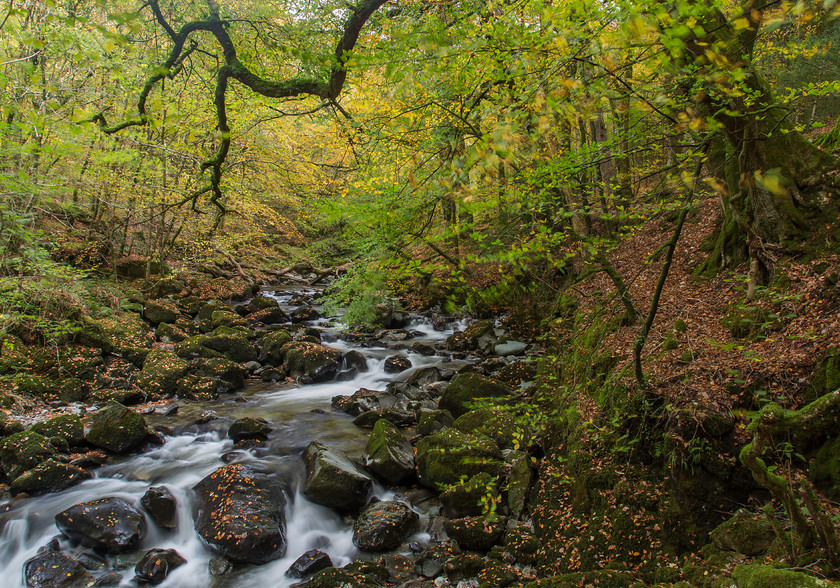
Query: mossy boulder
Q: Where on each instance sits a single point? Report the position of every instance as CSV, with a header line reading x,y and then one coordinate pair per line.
x,y
193,387
194,348
476,533
249,428
23,451
115,332
465,389
517,372
231,343
445,457
761,576
520,479
388,454
117,428
498,425
432,421
67,426
205,315
170,333
226,317
48,476
228,374
312,362
161,372
471,497
272,346
744,533
75,361
128,397
333,480
268,316
161,311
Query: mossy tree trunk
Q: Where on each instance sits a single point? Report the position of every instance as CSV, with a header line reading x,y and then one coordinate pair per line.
x,y
770,176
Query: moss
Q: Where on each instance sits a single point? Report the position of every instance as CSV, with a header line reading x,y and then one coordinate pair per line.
x,y
601,578
194,347
161,311
229,374
117,428
744,533
825,468
115,332
465,389
761,576
232,344
443,458
312,361
23,451
48,476
161,372
67,426
826,378
493,423
472,497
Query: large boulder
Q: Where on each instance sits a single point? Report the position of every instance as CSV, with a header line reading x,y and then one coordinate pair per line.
x,y
48,476
764,576
110,524
156,565
471,497
52,569
444,457
231,343
333,480
117,428
241,514
118,332
161,372
396,364
312,362
23,451
388,454
384,525
465,389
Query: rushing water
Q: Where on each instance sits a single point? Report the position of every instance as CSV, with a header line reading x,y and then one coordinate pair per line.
x,y
298,414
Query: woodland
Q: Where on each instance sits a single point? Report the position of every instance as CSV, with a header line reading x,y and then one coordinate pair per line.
x,y
628,212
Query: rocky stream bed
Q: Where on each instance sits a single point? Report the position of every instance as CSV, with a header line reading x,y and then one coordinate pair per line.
x,y
278,449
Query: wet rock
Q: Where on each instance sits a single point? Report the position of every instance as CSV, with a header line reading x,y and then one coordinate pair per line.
x,y
476,533
249,428
52,569
333,480
396,364
48,476
432,421
309,563
67,426
312,362
304,314
355,359
157,564
161,372
389,455
423,349
117,428
424,376
110,524
361,401
384,525
219,567
336,577
241,514
444,457
161,506
744,533
398,417
23,451
466,388
205,417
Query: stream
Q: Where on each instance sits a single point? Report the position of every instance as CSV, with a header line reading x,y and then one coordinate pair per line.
x,y
298,415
